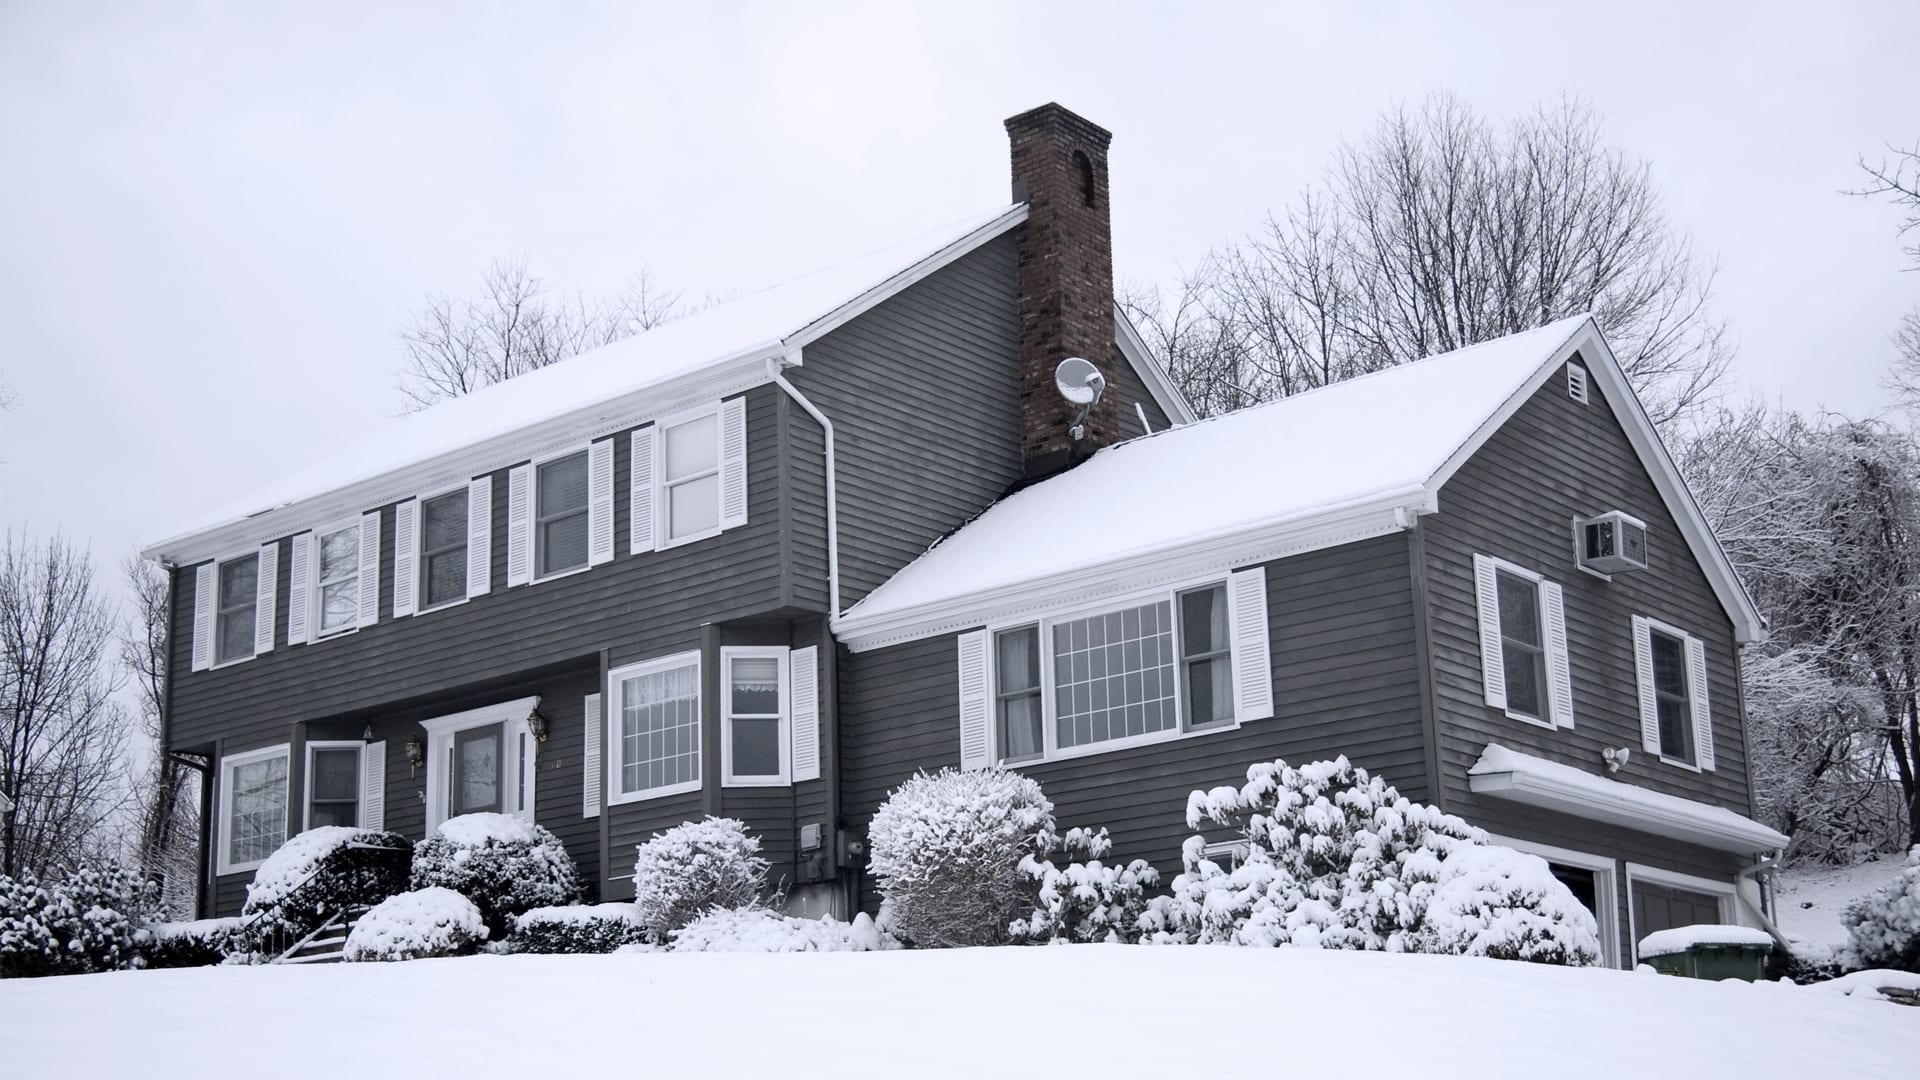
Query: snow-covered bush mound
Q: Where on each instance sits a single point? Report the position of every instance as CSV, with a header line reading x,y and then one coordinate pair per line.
x,y
694,868
415,925
763,931
200,943
577,928
506,866
1085,901
85,922
323,871
1884,925
1505,904
947,847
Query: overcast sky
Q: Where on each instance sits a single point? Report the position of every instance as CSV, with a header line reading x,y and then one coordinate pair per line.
x,y
213,219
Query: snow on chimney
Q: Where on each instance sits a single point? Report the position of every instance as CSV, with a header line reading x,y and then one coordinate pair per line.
x,y
1066,279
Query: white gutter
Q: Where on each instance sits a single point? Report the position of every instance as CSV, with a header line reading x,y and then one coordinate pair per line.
x,y
776,365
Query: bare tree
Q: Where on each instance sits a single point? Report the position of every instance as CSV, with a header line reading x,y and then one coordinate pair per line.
x,y
1898,179
62,737
167,814
456,345
1440,231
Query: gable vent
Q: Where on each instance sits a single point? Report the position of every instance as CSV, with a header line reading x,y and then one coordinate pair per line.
x,y
1577,383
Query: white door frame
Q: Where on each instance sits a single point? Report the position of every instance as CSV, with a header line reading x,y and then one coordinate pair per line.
x,y
517,770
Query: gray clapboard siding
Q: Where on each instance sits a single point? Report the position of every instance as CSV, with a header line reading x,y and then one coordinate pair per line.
x,y
1127,387
1351,688
1515,499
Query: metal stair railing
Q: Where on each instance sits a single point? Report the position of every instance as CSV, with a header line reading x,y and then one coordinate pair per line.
x,y
267,936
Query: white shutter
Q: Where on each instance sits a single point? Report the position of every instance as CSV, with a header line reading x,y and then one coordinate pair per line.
x,y
640,491
203,617
1493,671
373,786
1697,698
1643,675
733,463
600,502
804,668
519,525
1559,674
976,703
590,799
1252,661
480,536
299,588
266,590
369,568
406,550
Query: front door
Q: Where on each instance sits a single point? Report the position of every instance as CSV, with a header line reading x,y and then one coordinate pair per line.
x,y
476,771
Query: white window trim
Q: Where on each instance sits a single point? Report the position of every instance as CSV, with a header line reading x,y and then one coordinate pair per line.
x,y
1502,566
1673,879
585,450
512,716
219,564
1050,736
225,832
315,612
420,551
1237,850
778,653
612,706
1607,886
1692,740
359,787
662,519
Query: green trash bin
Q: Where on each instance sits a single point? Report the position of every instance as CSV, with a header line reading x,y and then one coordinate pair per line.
x,y
1708,952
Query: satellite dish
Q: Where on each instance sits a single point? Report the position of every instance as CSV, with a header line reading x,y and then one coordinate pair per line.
x,y
1079,381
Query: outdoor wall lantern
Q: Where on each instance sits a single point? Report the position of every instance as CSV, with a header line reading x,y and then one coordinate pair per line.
x,y
537,726
416,755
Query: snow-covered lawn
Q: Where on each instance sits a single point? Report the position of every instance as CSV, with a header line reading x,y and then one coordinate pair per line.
x,y
1120,1011
1809,899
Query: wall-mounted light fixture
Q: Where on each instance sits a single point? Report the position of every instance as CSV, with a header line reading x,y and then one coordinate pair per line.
x,y
1615,758
537,726
416,755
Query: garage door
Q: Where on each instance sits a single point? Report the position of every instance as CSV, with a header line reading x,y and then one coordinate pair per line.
x,y
1661,907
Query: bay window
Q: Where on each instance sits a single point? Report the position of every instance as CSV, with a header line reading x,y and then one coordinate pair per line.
x,y
753,728
253,807
654,749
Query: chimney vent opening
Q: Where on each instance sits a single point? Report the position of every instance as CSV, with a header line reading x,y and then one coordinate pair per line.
x,y
1084,166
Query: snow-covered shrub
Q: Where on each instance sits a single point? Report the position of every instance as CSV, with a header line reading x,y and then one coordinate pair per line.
x,y
577,928
1087,900
760,930
320,872
691,869
415,925
1335,858
1883,927
201,943
946,849
85,922
1505,904
506,866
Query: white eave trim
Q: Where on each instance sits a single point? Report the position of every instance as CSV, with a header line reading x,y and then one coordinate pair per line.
x,y
1147,365
1522,778
1192,557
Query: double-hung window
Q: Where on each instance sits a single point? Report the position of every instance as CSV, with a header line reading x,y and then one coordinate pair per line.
x,y
253,807
1523,645
654,748
1018,713
237,601
337,579
560,515
333,783
690,476
1671,707
443,549
1676,720
1524,668
1206,664
754,721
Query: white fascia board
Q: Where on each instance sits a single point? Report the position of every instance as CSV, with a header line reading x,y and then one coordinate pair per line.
x,y
725,377
886,290
1195,557
1536,782
1148,366
1748,624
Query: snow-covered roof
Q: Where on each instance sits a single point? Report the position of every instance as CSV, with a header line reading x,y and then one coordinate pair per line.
x,y
1372,443
1523,778
747,330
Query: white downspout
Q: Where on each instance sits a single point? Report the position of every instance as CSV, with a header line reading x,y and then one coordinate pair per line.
x,y
775,365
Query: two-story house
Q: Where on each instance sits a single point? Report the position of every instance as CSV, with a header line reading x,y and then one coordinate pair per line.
x,y
768,561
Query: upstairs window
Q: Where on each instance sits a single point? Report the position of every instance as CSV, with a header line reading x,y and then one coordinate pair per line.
x,y
560,519
1523,648
1676,719
443,549
1671,706
1524,669
236,604
690,475
337,579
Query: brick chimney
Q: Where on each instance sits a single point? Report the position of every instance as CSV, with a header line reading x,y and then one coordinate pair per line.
x,y
1066,280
